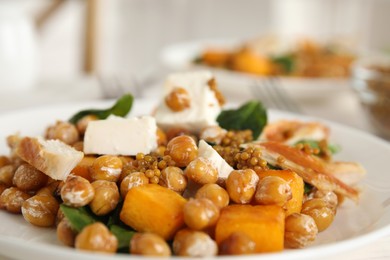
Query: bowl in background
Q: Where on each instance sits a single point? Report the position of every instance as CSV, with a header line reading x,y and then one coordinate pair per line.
x,y
371,82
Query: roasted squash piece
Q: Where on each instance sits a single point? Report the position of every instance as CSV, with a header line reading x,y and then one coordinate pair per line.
x,y
262,224
153,208
297,187
216,57
247,61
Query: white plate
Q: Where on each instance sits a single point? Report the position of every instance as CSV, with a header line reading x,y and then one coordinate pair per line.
x,y
354,225
180,56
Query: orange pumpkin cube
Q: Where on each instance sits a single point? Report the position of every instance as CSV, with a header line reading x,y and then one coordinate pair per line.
x,y
153,208
297,187
262,224
248,61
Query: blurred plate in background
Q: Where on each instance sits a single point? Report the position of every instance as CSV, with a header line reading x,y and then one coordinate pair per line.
x,y
181,56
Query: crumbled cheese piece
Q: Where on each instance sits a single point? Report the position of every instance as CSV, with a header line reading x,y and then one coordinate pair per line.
x,y
204,107
207,151
121,136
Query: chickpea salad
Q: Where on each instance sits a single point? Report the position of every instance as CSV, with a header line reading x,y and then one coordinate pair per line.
x,y
192,179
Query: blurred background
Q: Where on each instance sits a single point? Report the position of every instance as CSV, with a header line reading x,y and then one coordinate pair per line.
x,y
64,39
55,51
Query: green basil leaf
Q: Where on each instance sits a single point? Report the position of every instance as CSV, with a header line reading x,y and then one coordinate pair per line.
x,y
114,218
307,188
78,217
121,108
334,148
198,60
252,115
286,62
123,235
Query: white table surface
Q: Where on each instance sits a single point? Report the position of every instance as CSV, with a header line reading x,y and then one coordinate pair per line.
x,y
343,107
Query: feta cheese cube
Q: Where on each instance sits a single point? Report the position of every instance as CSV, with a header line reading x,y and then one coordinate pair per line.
x,y
207,151
121,136
204,107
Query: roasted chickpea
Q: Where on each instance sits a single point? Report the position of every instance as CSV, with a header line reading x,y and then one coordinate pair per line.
x,y
40,210
28,178
106,197
53,188
63,131
162,139
215,193
173,178
106,167
200,213
329,197
238,243
178,99
176,131
60,216
201,171
241,185
44,191
4,160
132,180
320,211
96,237
65,233
83,123
57,187
77,191
149,244
2,188
12,199
273,190
213,134
182,150
79,146
13,140
7,174
300,230
194,243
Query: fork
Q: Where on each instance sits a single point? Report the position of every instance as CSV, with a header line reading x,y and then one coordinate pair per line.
x,y
271,93
115,86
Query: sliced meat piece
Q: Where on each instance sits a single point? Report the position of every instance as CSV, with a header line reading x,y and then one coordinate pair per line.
x,y
293,131
312,169
350,173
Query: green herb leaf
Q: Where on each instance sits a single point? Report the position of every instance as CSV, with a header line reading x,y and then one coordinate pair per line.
x,y
333,148
121,108
307,188
285,61
198,59
252,115
124,236
78,217
114,218
274,167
